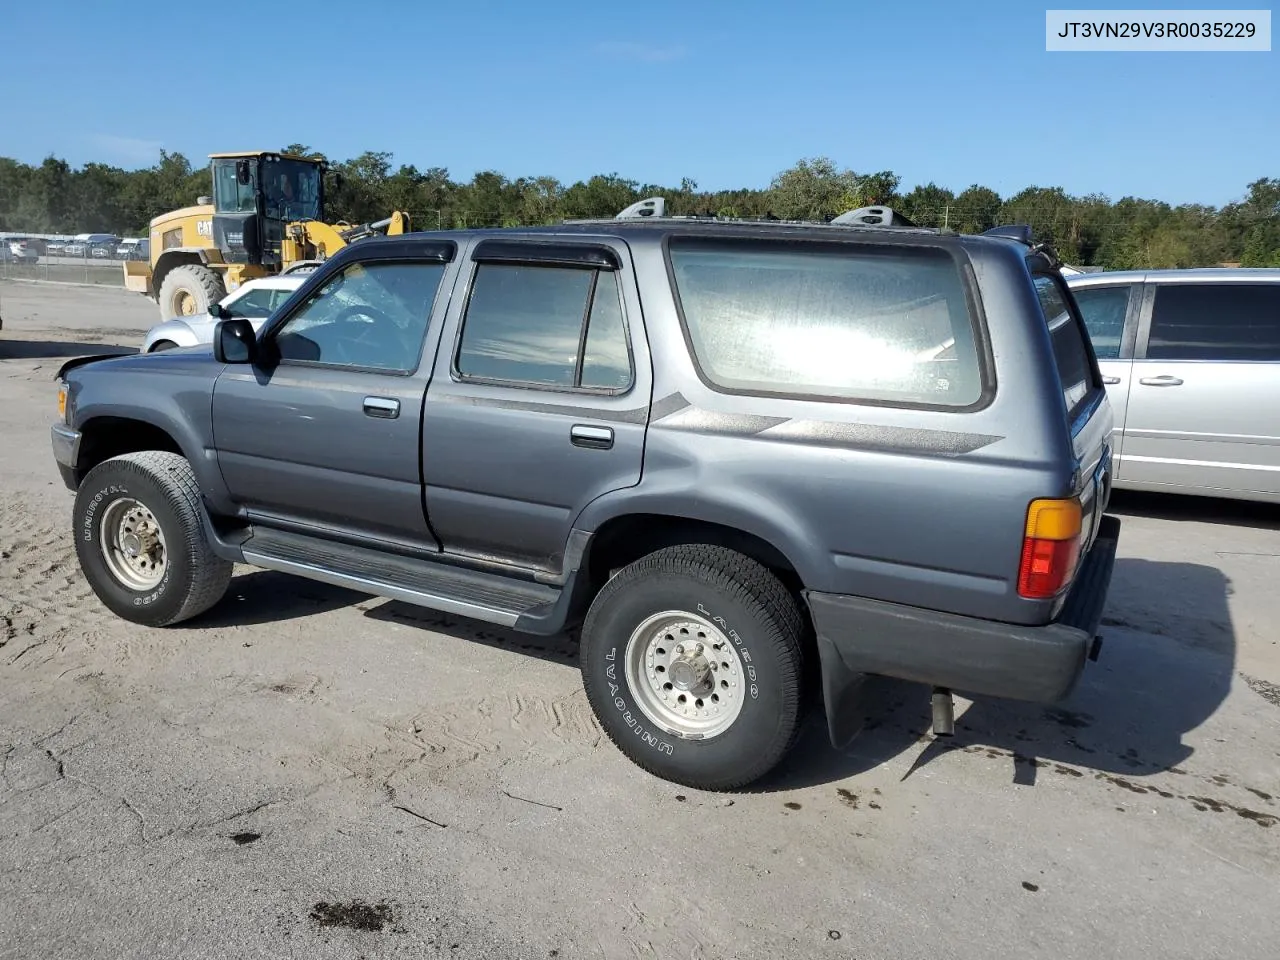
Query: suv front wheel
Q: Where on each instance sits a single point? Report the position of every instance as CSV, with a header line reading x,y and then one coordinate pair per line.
x,y
693,661
140,540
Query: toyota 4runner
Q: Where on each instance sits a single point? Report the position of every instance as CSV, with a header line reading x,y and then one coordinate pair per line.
x,y
755,461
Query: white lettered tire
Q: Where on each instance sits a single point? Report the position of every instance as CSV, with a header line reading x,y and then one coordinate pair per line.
x,y
140,540
693,661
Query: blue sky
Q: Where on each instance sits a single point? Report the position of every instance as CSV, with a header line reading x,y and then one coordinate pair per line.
x,y
728,93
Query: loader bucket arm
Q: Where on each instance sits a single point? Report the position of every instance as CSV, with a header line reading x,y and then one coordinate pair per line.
x,y
313,240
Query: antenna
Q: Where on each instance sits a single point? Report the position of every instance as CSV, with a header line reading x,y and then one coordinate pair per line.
x,y
652,207
877,216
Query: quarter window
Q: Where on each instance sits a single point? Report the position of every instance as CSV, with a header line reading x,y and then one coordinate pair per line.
x,y
545,326
1216,321
846,321
1104,309
370,315
1070,347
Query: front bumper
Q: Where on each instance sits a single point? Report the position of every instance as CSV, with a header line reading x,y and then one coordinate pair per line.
x,y
66,452
857,637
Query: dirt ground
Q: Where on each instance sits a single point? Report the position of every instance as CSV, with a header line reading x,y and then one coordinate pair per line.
x,y
306,771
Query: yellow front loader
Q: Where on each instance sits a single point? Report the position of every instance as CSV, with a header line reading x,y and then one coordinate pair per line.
x,y
266,216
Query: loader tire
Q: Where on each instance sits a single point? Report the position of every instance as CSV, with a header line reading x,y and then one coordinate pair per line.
x,y
188,290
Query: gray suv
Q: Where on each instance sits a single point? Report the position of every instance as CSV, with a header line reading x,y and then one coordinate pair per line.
x,y
755,462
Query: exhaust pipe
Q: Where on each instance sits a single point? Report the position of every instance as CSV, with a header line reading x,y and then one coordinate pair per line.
x,y
944,713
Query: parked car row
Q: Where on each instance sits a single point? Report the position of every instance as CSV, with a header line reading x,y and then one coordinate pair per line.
x,y
98,246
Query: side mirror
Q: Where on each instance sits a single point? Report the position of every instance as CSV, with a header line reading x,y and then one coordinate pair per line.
x,y
234,341
217,311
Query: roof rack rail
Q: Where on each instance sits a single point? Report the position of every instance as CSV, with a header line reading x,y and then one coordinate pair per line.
x,y
1014,231
876,216
641,209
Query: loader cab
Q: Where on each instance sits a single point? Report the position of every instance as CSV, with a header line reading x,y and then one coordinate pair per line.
x,y
255,195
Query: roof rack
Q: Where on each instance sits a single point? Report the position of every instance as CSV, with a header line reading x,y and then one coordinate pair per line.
x,y
650,207
873,216
876,216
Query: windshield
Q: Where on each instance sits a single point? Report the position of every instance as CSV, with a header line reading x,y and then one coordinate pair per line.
x,y
292,189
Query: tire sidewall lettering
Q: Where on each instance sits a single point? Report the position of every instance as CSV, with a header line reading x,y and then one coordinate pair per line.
x,y
753,687
111,490
634,723
91,534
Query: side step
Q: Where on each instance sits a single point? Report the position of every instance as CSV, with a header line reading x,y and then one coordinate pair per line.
x,y
523,605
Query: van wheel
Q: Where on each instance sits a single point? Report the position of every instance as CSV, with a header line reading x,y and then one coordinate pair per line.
x,y
693,661
140,540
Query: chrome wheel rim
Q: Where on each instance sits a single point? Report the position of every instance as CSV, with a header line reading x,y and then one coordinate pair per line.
x,y
685,674
133,544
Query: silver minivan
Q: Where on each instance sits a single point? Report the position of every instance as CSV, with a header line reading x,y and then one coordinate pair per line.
x,y
1191,359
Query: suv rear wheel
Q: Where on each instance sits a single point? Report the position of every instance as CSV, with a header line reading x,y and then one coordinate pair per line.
x,y
140,540
693,661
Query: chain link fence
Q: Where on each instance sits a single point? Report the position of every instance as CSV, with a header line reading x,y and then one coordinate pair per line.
x,y
67,261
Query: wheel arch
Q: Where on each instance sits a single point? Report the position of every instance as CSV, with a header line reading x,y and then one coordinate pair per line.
x,y
739,517
107,436
626,537
176,257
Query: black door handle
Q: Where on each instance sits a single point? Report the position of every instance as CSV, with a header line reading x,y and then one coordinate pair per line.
x,y
593,438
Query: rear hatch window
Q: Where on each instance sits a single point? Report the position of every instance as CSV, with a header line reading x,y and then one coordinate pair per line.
x,y
1071,352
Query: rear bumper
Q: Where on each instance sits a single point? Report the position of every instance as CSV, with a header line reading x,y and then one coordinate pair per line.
x,y
857,637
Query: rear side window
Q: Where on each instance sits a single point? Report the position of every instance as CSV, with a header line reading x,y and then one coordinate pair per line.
x,y
1104,310
873,324
1216,321
1070,349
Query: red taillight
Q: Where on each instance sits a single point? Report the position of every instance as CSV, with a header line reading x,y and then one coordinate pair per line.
x,y
1050,548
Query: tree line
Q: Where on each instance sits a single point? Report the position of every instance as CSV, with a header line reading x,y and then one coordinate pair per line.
x,y
53,197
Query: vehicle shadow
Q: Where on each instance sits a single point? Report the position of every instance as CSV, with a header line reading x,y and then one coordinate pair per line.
x,y
1166,666
265,596
58,349
1179,507
561,648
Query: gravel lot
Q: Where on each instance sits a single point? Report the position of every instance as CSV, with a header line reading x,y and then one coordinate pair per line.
x,y
310,772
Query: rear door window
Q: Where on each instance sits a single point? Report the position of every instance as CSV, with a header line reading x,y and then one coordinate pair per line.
x,y
1070,346
546,326
1215,321
841,321
1104,310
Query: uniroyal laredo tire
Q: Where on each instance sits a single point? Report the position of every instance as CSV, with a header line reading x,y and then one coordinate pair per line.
x,y
193,578
749,609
